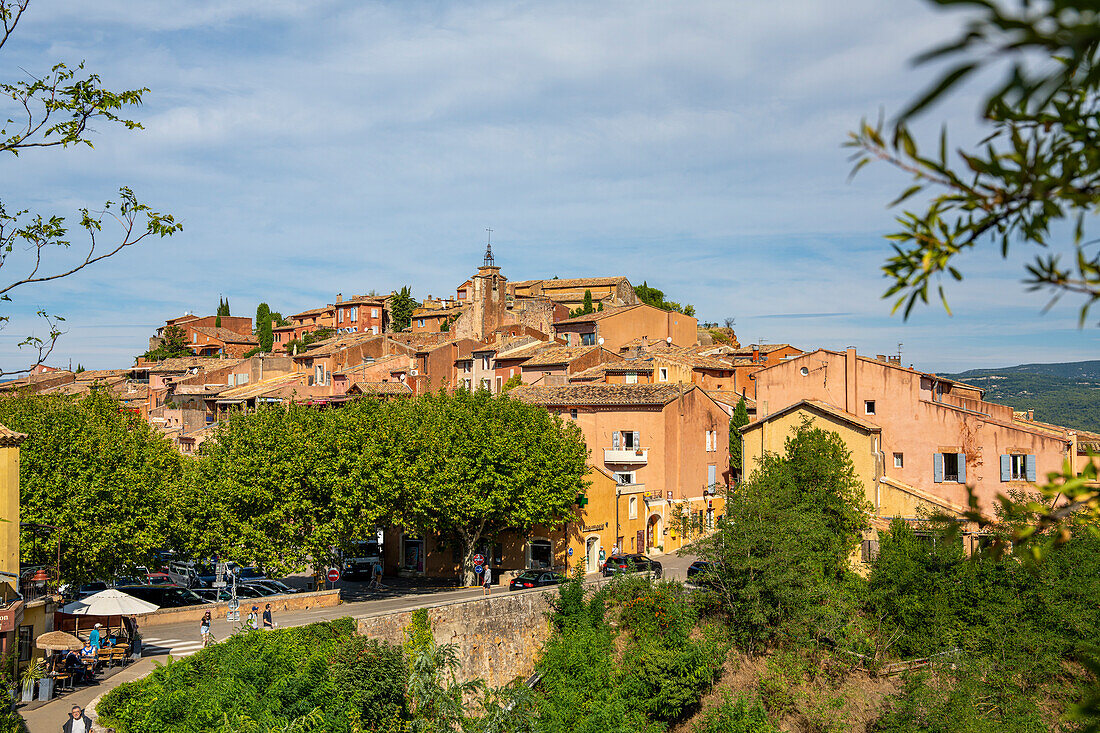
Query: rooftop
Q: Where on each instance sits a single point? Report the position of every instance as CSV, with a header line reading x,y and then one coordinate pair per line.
x,y
381,388
600,394
225,335
558,355
10,438
574,282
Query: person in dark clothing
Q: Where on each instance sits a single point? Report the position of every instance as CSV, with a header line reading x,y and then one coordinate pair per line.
x,y
78,722
268,622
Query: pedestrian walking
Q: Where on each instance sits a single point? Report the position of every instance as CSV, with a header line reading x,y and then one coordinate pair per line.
x,y
204,629
252,621
77,722
95,638
488,580
268,623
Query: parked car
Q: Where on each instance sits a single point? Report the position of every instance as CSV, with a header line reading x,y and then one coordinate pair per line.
x,y
246,574
275,586
165,596
535,579
213,595
698,573
636,563
91,588
157,578
250,590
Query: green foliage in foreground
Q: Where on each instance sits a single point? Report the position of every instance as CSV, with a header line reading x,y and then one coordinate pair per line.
x,y
101,475
656,298
319,677
648,670
1071,401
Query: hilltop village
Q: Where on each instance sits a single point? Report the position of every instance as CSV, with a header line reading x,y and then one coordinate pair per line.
x,y
653,392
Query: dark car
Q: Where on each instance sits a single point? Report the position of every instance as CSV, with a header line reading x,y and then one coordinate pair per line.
x,y
699,571
245,575
165,596
535,579
631,564
274,586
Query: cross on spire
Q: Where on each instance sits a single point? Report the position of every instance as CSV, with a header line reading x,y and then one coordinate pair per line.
x,y
489,250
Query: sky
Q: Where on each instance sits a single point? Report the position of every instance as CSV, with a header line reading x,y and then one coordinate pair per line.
x,y
319,147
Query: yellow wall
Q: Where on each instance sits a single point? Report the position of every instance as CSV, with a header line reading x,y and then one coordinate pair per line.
x,y
770,436
9,512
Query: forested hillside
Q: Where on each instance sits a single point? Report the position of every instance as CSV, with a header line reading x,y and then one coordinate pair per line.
x,y
1064,394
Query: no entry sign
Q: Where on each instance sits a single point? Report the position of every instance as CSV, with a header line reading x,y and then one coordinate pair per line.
x,y
333,575
479,559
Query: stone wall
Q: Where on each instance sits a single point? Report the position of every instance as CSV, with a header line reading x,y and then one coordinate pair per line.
x,y
499,637
288,602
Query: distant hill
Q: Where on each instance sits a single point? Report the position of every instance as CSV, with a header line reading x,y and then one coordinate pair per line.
x,y
1065,394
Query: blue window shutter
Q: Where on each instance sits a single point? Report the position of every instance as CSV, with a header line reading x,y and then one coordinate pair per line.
x,y
962,468
1032,470
937,467
1006,468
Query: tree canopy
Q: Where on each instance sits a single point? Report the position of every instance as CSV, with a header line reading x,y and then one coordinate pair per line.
x,y
739,420
173,343
101,475
402,306
656,298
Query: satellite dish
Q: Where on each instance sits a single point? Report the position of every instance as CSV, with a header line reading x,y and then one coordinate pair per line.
x,y
600,341
669,341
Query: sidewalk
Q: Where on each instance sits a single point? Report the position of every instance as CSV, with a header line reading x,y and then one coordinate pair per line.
x,y
50,717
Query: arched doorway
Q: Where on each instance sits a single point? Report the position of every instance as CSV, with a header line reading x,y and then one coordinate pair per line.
x,y
592,553
653,531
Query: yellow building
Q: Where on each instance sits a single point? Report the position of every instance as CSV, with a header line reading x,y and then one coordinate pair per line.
x,y
11,605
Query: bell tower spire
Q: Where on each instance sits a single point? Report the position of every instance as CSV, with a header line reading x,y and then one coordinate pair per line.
x,y
489,250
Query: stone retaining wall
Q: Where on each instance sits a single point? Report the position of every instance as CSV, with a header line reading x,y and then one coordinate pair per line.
x,y
288,602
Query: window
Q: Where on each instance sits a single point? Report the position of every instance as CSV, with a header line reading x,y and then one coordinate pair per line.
x,y
624,478
1018,467
869,407
899,460
486,362
462,295
485,384
354,315
466,384
633,507
712,441
663,374
319,374
949,467
420,322
539,554
631,378
804,371
588,339
373,312
572,413
712,474
194,338
26,635
500,384
340,315
468,366
374,330
626,439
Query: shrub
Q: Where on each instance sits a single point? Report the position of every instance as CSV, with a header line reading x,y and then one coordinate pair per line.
x,y
735,716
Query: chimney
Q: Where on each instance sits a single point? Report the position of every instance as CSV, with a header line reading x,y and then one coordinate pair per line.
x,y
880,357
755,352
850,394
339,297
1031,414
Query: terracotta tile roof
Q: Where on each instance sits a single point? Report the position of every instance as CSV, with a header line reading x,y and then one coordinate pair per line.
x,y
600,394
313,312
225,335
365,365
575,282
184,363
200,389
558,355
729,397
600,315
823,407
522,351
763,348
694,361
383,388
280,386
338,343
361,299
10,438
89,375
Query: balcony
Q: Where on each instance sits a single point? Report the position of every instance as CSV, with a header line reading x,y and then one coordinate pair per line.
x,y
624,489
632,456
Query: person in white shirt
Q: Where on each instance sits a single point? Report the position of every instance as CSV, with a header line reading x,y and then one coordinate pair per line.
x,y
78,722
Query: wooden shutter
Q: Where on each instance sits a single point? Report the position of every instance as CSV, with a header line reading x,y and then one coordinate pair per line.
x,y
1032,470
615,440
710,474
937,467
962,467
637,440
1006,468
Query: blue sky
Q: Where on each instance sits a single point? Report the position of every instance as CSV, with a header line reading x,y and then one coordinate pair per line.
x,y
311,148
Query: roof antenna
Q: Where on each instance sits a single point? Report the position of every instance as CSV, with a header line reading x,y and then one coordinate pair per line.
x,y
489,250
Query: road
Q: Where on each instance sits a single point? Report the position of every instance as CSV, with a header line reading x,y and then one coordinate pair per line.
x,y
182,640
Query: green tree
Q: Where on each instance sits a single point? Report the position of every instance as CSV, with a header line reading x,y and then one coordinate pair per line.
x,y
223,307
59,109
264,334
1038,166
656,298
514,381
739,420
402,306
781,553
102,476
476,465
173,343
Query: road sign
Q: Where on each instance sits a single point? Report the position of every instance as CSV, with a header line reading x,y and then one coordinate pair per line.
x,y
479,559
479,569
234,604
333,575
218,584
570,552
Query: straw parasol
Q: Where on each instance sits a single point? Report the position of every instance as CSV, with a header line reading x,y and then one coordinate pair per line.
x,y
58,641
110,602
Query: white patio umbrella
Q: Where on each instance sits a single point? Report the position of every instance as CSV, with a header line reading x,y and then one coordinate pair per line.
x,y
110,602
